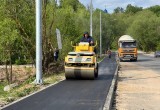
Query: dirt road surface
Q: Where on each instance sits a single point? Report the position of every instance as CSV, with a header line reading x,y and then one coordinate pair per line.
x,y
138,85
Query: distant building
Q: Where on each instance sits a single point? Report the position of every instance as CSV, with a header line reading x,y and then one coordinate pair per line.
x,y
105,11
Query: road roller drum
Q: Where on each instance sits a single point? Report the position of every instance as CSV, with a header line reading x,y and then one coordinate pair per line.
x,y
79,73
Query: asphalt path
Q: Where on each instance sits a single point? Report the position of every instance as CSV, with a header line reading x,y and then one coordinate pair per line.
x,y
149,61
73,94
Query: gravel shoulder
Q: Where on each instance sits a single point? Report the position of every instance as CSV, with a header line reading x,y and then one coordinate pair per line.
x,y
138,85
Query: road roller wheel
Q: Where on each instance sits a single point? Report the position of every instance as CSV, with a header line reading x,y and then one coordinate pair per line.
x,y
96,71
67,78
79,73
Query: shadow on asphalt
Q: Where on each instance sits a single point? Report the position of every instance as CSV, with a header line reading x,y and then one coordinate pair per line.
x,y
144,60
139,60
100,77
105,77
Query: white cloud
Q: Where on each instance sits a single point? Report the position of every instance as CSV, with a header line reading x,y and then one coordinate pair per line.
x,y
112,4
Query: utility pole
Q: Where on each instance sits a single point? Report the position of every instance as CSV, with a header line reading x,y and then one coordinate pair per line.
x,y
38,42
91,12
100,34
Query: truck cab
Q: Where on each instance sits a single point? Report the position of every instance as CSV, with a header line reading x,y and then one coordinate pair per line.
x,y
127,48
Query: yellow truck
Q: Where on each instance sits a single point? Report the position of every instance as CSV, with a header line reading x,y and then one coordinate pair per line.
x,y
127,48
82,62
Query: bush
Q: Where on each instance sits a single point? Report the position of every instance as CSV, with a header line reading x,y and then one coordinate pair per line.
x,y
20,62
158,47
1,63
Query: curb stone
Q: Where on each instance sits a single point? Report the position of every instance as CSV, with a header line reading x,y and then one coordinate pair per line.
x,y
109,99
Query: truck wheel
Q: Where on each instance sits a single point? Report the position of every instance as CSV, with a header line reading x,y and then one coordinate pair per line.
x,y
120,60
135,59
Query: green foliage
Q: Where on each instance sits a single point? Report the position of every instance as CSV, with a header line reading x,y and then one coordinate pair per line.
x,y
144,29
132,9
20,62
158,46
74,4
155,9
17,27
118,10
8,34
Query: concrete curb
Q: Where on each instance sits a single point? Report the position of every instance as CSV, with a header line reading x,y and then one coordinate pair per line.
x,y
109,99
22,98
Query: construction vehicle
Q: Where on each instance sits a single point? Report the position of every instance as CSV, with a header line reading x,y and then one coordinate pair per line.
x,y
82,62
127,48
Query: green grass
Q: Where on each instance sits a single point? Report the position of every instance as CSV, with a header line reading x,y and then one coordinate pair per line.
x,y
99,59
2,93
53,78
26,91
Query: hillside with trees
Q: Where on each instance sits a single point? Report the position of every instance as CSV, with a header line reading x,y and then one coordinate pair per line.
x,y
17,28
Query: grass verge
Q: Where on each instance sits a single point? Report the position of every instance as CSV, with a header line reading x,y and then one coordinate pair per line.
x,y
100,58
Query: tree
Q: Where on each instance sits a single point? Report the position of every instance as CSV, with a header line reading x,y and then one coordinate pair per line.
x,y
23,14
118,10
132,9
155,9
144,29
74,4
9,35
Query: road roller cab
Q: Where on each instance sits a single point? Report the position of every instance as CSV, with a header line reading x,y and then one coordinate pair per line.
x,y
82,62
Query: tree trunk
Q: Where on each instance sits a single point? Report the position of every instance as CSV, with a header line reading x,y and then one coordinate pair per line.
x,y
7,75
45,39
10,55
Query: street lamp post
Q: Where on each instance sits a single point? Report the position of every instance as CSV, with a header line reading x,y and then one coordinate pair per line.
x,y
38,42
91,12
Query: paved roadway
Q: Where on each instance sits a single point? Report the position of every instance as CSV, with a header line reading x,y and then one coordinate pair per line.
x,y
73,94
145,61
149,62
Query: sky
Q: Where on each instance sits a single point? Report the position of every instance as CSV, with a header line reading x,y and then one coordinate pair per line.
x,y
112,4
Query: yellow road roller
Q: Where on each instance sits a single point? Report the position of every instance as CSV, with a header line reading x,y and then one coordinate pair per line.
x,y
82,62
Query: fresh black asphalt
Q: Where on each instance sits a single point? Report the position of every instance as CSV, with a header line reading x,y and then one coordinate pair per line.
x,y
73,94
